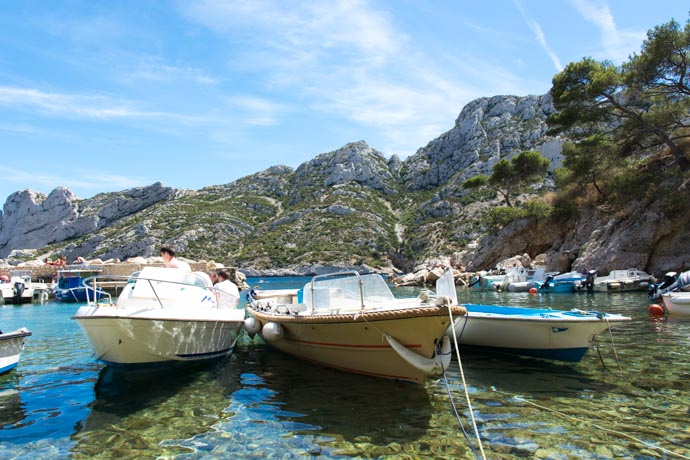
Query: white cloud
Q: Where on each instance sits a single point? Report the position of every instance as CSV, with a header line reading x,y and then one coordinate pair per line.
x,y
256,110
616,44
539,35
83,179
85,107
153,70
340,57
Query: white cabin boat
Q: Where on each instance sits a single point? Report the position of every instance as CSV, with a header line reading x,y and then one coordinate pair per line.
x,y
631,279
162,316
22,289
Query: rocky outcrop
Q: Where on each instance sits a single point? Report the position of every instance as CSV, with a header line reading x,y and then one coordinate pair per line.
x,y
487,130
33,220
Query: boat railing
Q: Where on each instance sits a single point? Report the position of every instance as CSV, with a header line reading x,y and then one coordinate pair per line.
x,y
92,283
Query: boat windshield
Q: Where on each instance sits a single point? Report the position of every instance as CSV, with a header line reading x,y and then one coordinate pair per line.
x,y
344,292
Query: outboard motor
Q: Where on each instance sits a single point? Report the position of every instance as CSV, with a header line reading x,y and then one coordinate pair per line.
x,y
545,283
668,284
18,290
588,283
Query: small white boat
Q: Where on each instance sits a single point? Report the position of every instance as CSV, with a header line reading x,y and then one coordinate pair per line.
x,y
484,281
11,346
677,303
22,289
520,279
162,316
631,279
541,333
353,323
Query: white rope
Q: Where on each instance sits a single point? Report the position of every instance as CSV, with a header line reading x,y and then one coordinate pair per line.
x,y
464,385
613,344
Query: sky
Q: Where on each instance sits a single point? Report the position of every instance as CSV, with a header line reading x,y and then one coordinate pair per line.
x,y
101,96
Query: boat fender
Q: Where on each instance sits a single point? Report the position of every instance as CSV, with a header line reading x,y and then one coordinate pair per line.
x,y
429,366
272,332
44,297
656,310
252,326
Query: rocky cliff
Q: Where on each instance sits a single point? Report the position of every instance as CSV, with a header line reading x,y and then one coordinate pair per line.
x,y
355,208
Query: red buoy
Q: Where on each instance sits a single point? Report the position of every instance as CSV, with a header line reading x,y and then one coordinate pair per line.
x,y
533,290
656,310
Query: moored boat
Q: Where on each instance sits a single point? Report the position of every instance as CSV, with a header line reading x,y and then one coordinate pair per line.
x,y
20,288
565,282
631,279
353,323
70,284
11,346
677,303
542,333
162,316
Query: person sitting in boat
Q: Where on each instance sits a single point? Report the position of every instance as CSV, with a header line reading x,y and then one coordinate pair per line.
x,y
213,274
228,294
168,255
80,261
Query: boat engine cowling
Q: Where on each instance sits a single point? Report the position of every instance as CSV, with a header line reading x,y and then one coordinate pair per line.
x,y
18,289
252,326
272,332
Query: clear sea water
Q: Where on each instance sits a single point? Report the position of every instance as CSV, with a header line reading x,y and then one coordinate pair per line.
x,y
258,403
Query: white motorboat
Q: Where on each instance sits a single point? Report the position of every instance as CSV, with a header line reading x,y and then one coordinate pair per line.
x,y
22,289
542,333
162,316
353,323
11,346
677,303
631,279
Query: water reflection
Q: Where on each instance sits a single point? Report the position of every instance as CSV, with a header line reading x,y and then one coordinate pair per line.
x,y
285,406
524,375
134,412
11,408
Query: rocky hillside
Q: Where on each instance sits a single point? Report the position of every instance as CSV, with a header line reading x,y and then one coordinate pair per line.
x,y
353,207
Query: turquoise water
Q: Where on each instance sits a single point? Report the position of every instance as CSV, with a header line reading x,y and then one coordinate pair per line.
x,y
258,403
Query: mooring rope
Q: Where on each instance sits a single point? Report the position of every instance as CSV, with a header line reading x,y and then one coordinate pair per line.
x,y
464,385
613,345
457,415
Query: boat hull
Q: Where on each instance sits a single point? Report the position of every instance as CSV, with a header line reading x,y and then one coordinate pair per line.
x,y
562,336
78,295
677,303
356,342
125,337
11,346
621,286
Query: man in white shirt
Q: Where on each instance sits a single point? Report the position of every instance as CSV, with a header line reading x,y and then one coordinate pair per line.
x,y
168,255
228,294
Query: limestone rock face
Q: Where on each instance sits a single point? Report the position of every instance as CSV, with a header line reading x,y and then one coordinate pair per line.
x,y
353,162
487,130
32,220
